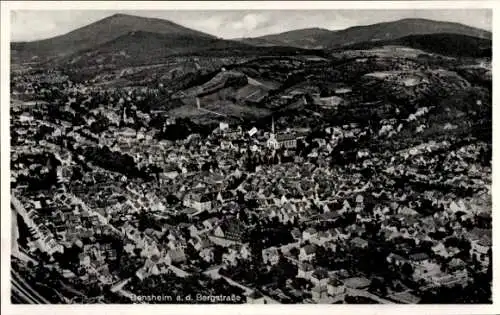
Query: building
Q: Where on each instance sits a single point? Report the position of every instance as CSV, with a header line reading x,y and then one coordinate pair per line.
x,y
335,287
198,201
272,142
318,293
287,141
320,277
175,256
270,255
307,253
305,271
232,230
256,298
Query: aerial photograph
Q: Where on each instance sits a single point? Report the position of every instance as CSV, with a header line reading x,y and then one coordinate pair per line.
x,y
251,156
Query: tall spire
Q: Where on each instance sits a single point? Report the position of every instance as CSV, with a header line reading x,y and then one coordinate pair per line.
x,y
272,125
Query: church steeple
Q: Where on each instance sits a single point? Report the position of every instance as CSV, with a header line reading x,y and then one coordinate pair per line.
x,y
271,142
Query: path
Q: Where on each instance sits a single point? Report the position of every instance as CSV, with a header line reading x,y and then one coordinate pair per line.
x,y
363,293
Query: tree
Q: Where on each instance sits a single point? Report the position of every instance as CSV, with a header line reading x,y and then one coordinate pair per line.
x,y
378,286
137,252
218,252
407,269
191,252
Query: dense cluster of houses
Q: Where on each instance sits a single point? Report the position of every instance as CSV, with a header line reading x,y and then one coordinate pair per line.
x,y
203,185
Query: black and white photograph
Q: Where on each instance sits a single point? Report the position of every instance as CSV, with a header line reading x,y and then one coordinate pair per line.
x,y
249,156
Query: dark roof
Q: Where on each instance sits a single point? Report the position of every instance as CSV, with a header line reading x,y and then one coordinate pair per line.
x,y
320,273
419,257
305,266
485,241
296,232
285,137
311,230
233,227
357,282
359,241
177,255
309,249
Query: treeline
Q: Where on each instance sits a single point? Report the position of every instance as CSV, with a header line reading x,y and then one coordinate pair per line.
x,y
39,177
114,161
182,128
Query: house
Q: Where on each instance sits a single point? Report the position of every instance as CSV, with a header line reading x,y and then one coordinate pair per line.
x,y
245,252
230,258
200,242
359,243
305,270
456,264
232,230
141,273
308,234
357,283
331,245
175,256
193,230
255,298
480,240
440,250
198,201
84,259
404,298
296,234
151,266
318,293
319,277
170,172
396,260
321,238
226,196
287,141
335,287
210,224
425,271
307,253
207,254
176,243
440,278
270,255
419,259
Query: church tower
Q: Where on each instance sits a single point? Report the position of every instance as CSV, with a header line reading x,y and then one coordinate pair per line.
x,y
272,143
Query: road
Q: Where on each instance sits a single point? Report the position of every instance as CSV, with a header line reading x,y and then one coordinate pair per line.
x,y
100,216
363,293
119,288
19,208
213,272
22,291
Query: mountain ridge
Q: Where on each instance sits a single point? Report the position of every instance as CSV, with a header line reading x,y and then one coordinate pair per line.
x,y
174,38
100,32
363,33
447,44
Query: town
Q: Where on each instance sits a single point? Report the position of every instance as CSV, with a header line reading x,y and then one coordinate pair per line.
x,y
230,173
110,210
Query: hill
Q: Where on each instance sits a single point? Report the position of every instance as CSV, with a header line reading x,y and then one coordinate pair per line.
x,y
98,33
444,44
320,38
140,47
304,38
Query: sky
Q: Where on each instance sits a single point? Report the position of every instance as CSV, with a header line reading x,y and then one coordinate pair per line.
x,y
34,25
